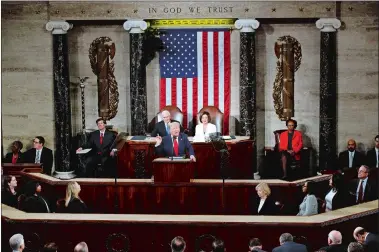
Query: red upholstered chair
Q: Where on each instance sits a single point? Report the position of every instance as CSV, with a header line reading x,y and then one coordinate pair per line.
x,y
176,114
217,117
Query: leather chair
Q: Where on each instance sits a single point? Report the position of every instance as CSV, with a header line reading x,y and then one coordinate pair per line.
x,y
176,114
217,117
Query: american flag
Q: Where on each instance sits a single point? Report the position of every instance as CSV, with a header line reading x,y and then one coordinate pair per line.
x,y
195,72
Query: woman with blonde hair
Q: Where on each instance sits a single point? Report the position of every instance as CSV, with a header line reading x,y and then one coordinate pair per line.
x,y
266,205
73,203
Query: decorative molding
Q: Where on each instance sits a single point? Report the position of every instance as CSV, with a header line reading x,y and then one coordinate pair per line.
x,y
135,26
247,25
328,24
215,22
58,27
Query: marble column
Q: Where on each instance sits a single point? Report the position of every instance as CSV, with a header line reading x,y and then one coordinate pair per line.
x,y
62,106
328,93
138,93
247,76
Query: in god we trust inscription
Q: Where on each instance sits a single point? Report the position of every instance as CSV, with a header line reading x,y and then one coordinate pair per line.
x,y
198,9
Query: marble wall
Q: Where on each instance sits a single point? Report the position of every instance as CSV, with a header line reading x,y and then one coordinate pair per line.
x,y
27,80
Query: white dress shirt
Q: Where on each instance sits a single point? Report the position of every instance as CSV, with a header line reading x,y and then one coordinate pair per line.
x,y
351,158
38,156
261,204
329,199
364,181
377,157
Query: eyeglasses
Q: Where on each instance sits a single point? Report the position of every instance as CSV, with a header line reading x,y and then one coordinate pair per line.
x,y
362,171
290,125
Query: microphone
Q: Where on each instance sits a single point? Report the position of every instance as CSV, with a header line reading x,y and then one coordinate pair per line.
x,y
173,153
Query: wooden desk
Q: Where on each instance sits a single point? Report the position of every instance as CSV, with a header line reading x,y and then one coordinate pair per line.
x,y
15,169
154,232
135,159
143,196
172,171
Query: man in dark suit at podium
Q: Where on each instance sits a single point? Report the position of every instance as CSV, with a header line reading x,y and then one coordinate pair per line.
x,y
163,127
101,143
39,154
175,144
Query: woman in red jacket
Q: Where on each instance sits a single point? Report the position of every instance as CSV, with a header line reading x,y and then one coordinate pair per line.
x,y
290,145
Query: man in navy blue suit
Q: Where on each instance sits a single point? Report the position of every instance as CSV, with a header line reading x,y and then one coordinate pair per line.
x,y
288,245
175,144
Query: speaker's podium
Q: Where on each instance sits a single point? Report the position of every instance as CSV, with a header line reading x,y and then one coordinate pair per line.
x,y
169,170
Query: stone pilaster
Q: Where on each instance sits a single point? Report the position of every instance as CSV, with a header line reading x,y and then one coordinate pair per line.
x,y
328,93
62,106
138,93
247,76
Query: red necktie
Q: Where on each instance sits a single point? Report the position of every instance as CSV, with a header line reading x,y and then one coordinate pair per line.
x,y
360,193
101,138
176,147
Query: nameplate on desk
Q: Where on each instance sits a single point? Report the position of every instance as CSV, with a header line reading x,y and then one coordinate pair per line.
x,y
138,138
177,158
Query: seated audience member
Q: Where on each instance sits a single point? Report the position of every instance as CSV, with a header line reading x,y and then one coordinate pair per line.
x,y
175,144
288,245
162,128
34,202
73,203
290,145
39,154
178,244
363,188
255,245
369,240
338,196
372,158
203,129
16,156
9,194
334,242
309,206
81,247
17,243
218,246
101,143
350,158
265,204
355,247
50,247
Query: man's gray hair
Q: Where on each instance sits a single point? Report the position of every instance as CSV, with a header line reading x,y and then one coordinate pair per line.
x,y
355,247
16,241
286,237
165,112
335,236
81,247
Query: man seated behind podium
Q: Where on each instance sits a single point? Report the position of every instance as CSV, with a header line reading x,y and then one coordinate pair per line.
x,y
101,143
175,144
39,154
350,158
163,127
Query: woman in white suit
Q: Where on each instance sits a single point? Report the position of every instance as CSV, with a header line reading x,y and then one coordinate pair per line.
x,y
203,129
